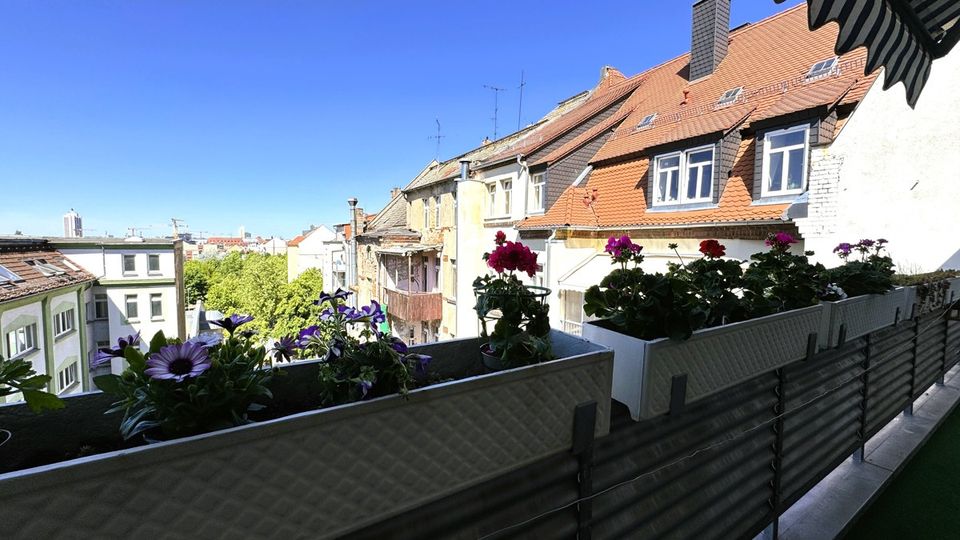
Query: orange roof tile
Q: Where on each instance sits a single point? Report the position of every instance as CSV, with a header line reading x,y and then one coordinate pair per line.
x,y
296,240
17,258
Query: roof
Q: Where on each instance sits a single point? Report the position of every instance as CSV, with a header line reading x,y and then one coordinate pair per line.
x,y
394,214
917,31
14,257
226,240
296,240
612,87
770,60
107,240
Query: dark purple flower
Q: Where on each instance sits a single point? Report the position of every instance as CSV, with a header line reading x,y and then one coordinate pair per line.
x,y
340,294
105,354
285,349
843,250
373,312
866,242
177,362
397,344
207,340
423,361
232,322
365,387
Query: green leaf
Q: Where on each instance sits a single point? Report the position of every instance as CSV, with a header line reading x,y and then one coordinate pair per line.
x,y
135,358
111,384
158,342
39,401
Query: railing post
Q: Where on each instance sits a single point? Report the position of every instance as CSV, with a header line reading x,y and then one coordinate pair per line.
x,y
777,463
584,423
864,401
946,345
908,410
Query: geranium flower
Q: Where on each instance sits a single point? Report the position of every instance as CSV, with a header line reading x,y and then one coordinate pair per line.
x,y
232,322
207,340
177,362
340,294
513,256
105,354
713,249
285,349
622,249
500,238
780,241
843,249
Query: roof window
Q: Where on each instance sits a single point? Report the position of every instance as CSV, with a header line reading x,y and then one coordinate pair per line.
x,y
647,121
822,68
7,275
730,96
46,268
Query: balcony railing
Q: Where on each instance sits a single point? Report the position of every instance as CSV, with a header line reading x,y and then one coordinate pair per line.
x,y
413,306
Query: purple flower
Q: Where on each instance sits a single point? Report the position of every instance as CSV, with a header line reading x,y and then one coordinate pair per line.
x,y
285,349
422,361
105,354
232,322
374,312
365,387
397,344
207,340
177,362
843,250
866,242
340,294
622,249
780,241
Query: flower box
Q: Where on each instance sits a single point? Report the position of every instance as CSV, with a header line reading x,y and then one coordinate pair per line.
x,y
861,315
712,359
320,473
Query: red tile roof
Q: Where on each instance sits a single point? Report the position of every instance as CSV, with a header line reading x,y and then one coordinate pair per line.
x,y
296,240
14,258
225,240
769,59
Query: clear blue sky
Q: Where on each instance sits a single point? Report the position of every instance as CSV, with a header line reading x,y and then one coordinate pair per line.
x,y
271,113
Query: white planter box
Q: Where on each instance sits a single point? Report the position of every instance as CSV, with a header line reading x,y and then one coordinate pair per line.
x,y
321,473
864,314
712,359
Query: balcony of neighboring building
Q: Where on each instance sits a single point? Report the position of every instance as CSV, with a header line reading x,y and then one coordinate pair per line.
x,y
413,306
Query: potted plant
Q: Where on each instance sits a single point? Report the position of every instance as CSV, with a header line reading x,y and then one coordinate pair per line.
x,y
695,321
929,291
368,430
518,312
865,298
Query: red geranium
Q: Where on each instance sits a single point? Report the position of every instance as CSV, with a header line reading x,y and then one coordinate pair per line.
x,y
713,249
500,238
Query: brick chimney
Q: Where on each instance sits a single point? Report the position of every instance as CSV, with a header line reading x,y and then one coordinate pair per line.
x,y
394,192
711,33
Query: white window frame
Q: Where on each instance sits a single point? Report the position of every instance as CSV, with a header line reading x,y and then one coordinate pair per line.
x,y
68,377
568,324
159,298
123,264
126,307
507,197
493,198
685,174
657,199
535,201
101,299
765,191
63,322
426,212
436,211
150,258
28,333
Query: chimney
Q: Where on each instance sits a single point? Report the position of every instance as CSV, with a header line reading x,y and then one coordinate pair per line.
x,y
711,32
394,192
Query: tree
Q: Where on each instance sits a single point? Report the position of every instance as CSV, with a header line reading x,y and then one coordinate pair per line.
x,y
197,279
295,309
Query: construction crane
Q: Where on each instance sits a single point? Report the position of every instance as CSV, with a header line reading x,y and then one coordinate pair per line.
x,y
176,227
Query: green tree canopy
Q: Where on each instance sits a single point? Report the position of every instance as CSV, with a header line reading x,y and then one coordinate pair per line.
x,y
296,309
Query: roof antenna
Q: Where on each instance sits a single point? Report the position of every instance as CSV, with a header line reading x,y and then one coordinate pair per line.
x,y
520,109
438,136
496,106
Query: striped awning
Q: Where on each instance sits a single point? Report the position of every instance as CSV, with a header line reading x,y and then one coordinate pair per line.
x,y
904,36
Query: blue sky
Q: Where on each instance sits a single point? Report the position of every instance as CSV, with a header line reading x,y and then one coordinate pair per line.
x,y
270,114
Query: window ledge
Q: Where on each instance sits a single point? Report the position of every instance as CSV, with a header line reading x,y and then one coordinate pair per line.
x,y
155,273
497,218
130,274
69,387
131,321
777,199
156,319
26,354
536,212
64,335
683,207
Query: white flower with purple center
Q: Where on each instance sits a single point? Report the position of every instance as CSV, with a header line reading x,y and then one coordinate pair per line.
x,y
177,362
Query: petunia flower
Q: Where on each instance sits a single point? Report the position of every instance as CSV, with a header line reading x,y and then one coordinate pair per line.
x,y
177,362
285,349
232,322
340,294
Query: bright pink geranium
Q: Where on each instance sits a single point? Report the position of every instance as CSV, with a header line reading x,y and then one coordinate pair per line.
x,y
500,238
511,256
781,241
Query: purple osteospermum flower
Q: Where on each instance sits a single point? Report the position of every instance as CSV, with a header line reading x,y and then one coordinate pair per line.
x,y
105,354
365,387
285,349
207,340
177,362
232,322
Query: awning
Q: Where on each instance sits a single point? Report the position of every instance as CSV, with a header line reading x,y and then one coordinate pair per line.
x,y
903,36
595,267
409,249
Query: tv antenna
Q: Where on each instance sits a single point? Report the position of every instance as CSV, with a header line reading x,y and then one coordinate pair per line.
x,y
520,109
496,106
438,136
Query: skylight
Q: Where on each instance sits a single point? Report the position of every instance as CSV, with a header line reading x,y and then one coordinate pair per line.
x,y
821,68
7,275
70,265
730,96
46,268
647,121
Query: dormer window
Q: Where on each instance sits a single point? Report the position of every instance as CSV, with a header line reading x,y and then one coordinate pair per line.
x,y
647,121
730,96
684,177
46,268
785,161
822,69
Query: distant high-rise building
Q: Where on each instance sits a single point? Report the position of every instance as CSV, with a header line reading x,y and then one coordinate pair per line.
x,y
72,225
